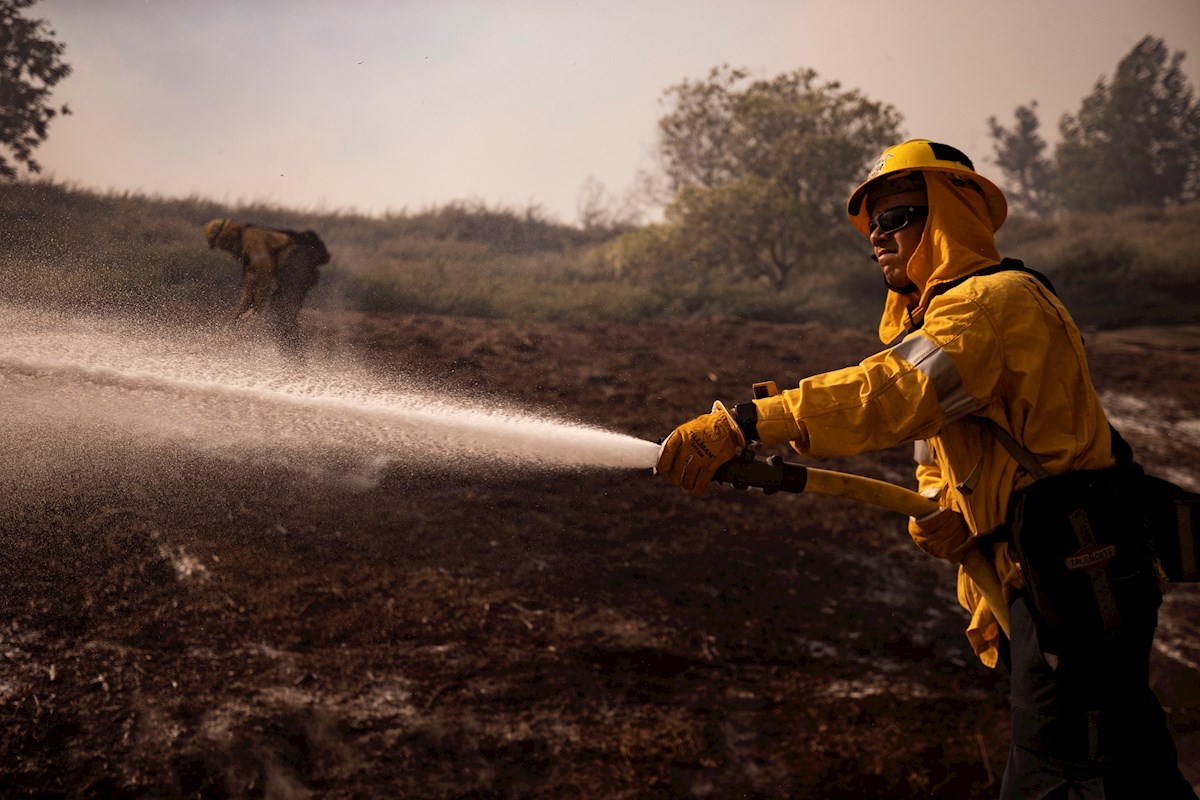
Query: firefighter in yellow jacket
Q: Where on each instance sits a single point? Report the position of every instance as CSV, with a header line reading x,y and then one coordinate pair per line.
x,y
976,350
279,267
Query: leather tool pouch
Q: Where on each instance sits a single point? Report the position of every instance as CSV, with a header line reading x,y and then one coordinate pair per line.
x,y
1082,542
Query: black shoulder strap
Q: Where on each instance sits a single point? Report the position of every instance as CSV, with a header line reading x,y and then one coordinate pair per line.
x,y
1004,266
1121,451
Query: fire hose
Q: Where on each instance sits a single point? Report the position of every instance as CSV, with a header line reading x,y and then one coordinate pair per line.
x,y
776,475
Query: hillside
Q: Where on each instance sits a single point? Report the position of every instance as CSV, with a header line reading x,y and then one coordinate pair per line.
x,y
147,255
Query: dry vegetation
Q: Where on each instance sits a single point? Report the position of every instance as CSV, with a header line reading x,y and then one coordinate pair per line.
x,y
147,254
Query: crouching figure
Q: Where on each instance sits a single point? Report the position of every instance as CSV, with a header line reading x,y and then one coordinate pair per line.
x,y
279,267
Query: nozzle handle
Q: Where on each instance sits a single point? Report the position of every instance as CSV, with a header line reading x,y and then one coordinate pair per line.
x,y
772,475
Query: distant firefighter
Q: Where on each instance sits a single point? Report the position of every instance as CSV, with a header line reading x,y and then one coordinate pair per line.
x,y
279,267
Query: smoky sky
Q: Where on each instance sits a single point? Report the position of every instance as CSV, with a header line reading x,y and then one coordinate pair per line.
x,y
379,106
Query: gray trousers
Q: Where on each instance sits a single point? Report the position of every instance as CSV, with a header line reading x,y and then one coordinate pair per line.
x,y
1088,728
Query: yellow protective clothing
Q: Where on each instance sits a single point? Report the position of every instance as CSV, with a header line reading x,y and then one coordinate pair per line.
x,y
689,457
999,346
943,534
263,253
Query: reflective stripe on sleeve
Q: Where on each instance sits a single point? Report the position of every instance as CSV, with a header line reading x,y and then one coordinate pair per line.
x,y
942,373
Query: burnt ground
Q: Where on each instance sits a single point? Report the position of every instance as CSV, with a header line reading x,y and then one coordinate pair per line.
x,y
184,626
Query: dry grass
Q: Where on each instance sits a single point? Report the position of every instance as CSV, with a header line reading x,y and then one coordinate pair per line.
x,y
72,247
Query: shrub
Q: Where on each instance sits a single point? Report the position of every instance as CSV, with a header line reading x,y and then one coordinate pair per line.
x,y
70,247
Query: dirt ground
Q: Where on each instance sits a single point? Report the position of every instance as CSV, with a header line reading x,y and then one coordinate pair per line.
x,y
184,626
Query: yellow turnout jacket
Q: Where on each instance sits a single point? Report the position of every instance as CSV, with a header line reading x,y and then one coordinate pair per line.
x,y
262,251
999,346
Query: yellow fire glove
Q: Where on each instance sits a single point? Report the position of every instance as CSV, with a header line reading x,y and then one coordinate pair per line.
x,y
942,534
689,457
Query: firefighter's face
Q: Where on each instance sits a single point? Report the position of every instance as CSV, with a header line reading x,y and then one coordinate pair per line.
x,y
897,222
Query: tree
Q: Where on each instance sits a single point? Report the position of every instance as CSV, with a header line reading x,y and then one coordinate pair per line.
x,y
1019,155
599,211
760,169
1136,139
30,66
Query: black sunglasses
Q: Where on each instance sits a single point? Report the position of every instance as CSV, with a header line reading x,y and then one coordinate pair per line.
x,y
895,219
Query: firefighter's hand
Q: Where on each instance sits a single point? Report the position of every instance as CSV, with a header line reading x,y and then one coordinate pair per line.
x,y
942,534
689,457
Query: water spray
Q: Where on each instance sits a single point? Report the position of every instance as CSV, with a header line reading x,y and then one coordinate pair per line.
x,y
78,381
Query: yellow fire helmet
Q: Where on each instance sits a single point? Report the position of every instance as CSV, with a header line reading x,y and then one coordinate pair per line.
x,y
213,230
922,155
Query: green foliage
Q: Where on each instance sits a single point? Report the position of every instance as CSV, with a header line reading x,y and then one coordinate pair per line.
x,y
1020,156
1128,267
32,65
759,170
648,255
1135,140
841,288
